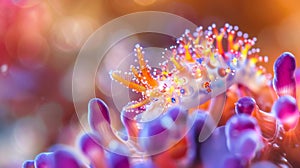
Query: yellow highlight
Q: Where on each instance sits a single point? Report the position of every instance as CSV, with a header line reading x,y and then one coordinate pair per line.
x,y
230,41
188,55
234,61
219,43
165,73
259,72
253,61
236,46
172,89
176,79
212,58
168,99
197,40
244,51
227,70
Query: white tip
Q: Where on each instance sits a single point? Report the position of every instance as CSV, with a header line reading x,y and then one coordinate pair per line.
x,y
137,46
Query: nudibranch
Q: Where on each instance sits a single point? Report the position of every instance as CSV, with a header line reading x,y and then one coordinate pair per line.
x,y
202,65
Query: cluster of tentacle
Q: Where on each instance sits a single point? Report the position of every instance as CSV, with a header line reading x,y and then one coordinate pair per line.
x,y
203,58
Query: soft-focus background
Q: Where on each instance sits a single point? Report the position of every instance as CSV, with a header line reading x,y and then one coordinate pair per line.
x,y
40,40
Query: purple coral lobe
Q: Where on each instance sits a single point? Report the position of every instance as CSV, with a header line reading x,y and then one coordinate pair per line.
x,y
117,161
88,143
285,64
284,79
243,136
285,109
65,159
44,160
245,105
98,111
239,124
28,164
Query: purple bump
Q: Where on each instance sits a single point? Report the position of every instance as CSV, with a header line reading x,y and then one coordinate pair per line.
x,y
264,164
285,109
90,147
65,159
245,105
284,77
214,152
193,135
117,161
246,146
174,112
98,112
89,144
155,134
28,164
198,124
243,136
158,125
153,128
99,121
233,162
44,160
239,123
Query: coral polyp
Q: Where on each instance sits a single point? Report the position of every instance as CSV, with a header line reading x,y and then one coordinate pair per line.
x,y
202,65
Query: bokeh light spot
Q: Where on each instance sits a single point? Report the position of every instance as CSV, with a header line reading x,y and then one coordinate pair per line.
x,y
145,2
69,34
33,50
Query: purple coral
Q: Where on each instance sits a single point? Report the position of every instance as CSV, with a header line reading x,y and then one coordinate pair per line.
x,y
284,77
